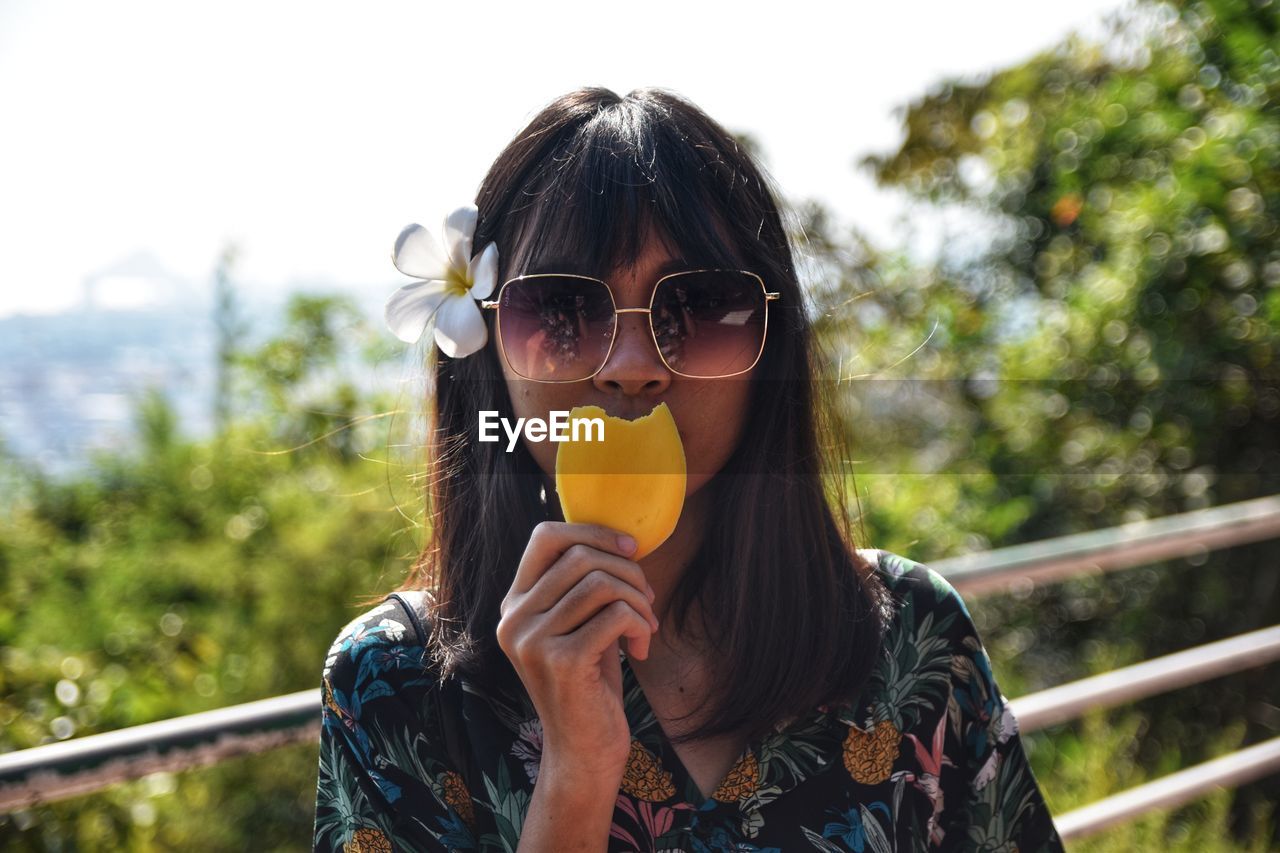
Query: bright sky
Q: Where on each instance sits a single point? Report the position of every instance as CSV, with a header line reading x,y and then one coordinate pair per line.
x,y
312,132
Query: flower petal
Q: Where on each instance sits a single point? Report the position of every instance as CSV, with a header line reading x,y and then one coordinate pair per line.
x,y
460,328
483,272
459,227
417,253
410,308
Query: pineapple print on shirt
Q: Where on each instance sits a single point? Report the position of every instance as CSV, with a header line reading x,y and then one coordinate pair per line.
x,y
928,757
644,778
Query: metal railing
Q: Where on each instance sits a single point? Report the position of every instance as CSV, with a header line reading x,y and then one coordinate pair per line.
x,y
59,770
1137,543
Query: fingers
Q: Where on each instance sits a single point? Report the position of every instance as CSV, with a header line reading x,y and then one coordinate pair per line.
x,y
600,633
596,590
577,564
551,539
569,574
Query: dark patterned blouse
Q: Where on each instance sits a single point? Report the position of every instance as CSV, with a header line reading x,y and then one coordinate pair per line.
x,y
928,758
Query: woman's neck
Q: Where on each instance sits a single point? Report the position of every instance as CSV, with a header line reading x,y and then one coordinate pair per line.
x,y
665,566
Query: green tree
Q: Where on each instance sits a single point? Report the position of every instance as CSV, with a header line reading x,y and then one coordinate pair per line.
x,y
1109,354
302,379
231,330
190,575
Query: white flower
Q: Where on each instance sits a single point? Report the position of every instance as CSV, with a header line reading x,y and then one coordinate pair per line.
x,y
451,282
392,629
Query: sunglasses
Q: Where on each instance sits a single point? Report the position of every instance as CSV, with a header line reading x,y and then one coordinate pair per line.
x,y
561,327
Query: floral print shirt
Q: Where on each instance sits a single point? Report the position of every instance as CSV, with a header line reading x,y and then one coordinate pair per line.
x,y
929,758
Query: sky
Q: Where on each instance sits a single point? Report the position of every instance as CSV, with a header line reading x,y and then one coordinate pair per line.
x,y
148,135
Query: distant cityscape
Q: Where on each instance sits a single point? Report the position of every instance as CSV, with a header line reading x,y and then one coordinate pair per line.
x,y
69,381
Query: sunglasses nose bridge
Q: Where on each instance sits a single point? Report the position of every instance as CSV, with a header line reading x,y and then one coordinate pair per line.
x,y
643,327
643,337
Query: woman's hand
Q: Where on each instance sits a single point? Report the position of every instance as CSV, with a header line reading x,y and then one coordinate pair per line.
x,y
574,598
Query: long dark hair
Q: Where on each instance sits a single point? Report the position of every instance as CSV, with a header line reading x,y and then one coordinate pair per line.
x,y
797,614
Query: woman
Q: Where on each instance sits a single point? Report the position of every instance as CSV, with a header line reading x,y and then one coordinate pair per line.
x,y
754,683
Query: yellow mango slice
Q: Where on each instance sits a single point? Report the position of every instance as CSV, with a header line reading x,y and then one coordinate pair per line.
x,y
633,480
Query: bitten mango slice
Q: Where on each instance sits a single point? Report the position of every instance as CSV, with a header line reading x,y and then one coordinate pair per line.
x,y
633,480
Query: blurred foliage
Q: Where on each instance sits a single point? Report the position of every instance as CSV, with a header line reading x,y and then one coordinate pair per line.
x,y
201,574
1104,351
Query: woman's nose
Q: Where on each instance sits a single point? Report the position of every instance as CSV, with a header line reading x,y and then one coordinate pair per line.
x,y
634,365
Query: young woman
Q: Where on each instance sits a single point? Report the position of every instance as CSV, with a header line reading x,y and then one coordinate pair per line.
x,y
754,683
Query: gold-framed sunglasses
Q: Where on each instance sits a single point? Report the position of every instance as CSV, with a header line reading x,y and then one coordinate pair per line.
x,y
561,327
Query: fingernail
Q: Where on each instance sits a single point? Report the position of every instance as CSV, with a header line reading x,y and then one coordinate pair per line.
x,y
626,544
652,594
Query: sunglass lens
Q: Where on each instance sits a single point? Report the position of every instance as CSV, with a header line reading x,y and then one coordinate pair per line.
x,y
555,328
710,323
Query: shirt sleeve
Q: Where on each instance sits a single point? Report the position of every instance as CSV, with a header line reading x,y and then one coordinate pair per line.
x,y
350,811
990,795
383,781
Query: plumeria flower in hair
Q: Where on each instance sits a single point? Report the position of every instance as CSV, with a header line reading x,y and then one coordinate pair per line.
x,y
451,283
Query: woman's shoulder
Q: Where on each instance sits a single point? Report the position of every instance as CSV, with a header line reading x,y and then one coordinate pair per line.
x,y
931,644
384,645
915,586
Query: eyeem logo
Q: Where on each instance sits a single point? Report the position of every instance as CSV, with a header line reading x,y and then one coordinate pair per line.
x,y
536,429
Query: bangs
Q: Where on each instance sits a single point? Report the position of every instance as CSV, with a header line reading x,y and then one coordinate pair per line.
x,y
620,177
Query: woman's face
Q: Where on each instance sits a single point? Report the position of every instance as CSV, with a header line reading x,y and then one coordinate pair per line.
x,y
709,413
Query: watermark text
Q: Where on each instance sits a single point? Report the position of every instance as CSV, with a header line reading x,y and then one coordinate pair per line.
x,y
557,428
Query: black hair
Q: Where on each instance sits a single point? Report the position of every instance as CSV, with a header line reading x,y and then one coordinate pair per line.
x,y
798,615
